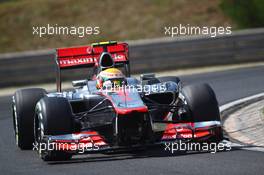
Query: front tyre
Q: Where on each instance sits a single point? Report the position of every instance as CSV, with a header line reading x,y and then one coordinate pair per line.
x,y
23,107
203,106
202,102
53,117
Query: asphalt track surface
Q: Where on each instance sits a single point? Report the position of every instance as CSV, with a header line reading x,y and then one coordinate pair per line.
x,y
228,85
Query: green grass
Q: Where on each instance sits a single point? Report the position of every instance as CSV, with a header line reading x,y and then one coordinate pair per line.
x,y
246,14
118,20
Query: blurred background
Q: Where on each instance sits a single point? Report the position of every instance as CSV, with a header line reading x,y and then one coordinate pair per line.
x,y
124,20
118,20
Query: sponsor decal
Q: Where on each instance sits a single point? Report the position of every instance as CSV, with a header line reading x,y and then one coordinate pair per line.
x,y
76,61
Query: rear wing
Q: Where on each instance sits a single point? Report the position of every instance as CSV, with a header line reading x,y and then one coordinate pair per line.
x,y
88,56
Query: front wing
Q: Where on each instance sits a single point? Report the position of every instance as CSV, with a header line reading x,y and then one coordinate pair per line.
x,y
92,142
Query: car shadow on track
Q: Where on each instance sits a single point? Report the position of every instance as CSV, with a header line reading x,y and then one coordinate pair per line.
x,y
126,155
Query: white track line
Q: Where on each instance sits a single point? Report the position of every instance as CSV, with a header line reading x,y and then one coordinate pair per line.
x,y
235,103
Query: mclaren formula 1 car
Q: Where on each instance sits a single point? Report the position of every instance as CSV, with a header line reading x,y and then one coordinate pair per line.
x,y
146,111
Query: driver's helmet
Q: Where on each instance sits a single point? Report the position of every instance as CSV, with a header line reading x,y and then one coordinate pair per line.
x,y
109,77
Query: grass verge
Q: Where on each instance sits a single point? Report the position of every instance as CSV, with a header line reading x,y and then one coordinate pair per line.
x,y
118,20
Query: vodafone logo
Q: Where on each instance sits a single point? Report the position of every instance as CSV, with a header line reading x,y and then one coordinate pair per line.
x,y
118,57
187,136
76,61
170,136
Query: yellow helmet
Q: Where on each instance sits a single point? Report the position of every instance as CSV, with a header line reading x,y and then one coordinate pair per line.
x,y
112,74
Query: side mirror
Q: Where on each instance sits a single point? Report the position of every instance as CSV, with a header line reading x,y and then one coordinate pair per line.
x,y
79,83
147,76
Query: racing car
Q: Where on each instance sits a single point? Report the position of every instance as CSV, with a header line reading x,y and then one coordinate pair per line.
x,y
100,115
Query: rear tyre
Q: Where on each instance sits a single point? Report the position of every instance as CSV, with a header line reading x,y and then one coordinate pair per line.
x,y
23,107
203,105
53,117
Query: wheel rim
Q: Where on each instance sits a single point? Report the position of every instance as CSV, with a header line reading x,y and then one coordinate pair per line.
x,y
15,124
38,133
